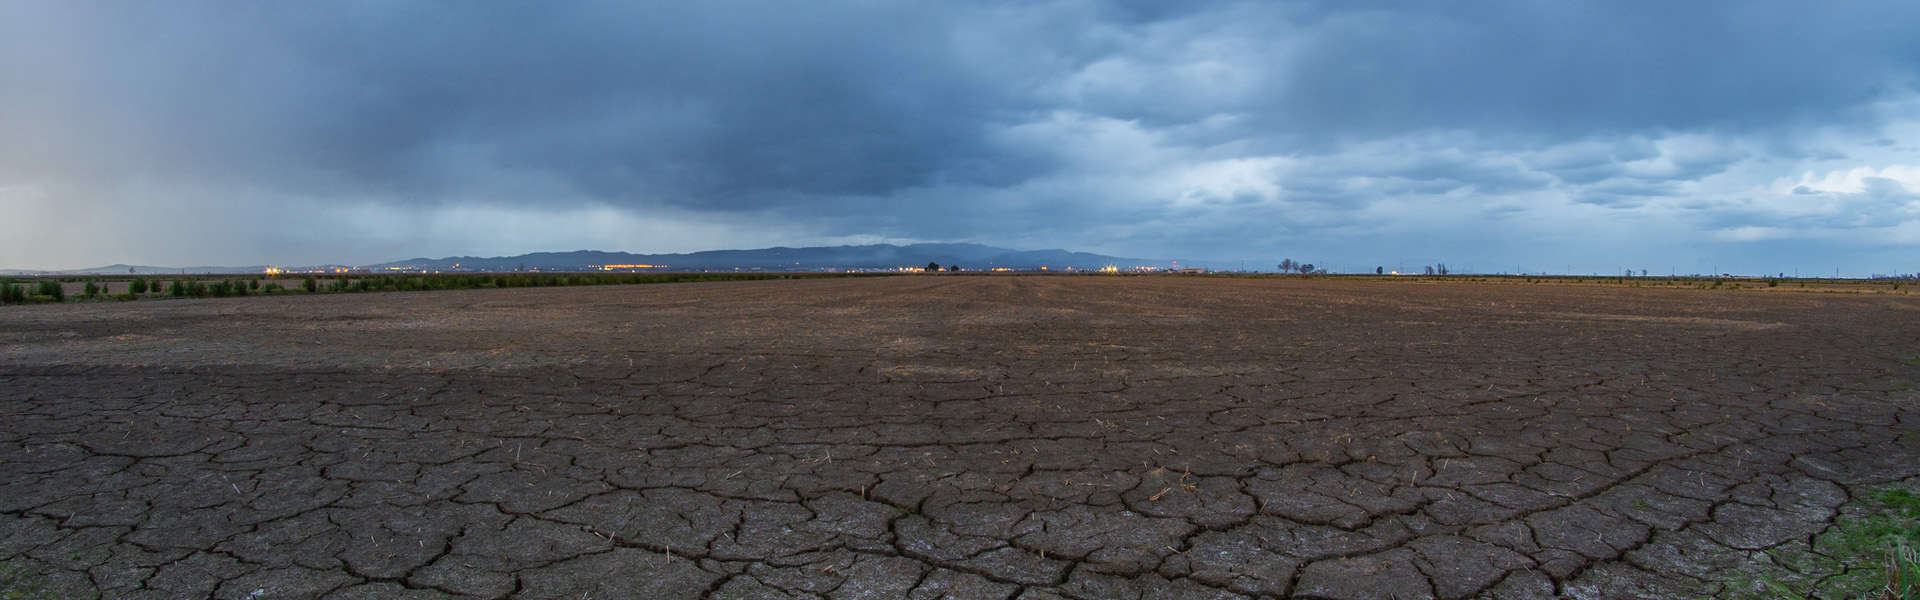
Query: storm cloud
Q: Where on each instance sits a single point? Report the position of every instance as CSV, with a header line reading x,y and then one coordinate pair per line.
x,y
1592,136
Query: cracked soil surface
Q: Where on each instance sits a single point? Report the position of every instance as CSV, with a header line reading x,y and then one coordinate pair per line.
x,y
945,437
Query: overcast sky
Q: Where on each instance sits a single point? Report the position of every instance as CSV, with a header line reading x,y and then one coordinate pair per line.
x,y
1745,136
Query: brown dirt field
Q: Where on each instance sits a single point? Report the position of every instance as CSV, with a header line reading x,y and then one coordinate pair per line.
x,y
949,436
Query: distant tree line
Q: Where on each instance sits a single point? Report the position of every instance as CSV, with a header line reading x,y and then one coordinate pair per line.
x,y
1288,266
1433,269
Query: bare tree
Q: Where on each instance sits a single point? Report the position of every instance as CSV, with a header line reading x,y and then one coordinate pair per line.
x,y
1440,268
1287,265
1429,269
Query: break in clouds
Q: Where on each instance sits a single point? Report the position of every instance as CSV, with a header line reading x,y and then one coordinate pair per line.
x,y
1756,137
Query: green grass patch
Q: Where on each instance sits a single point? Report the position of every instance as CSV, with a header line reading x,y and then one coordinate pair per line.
x,y
1871,551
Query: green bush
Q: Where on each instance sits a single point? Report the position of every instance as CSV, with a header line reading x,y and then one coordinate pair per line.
x,y
137,286
226,287
92,289
53,290
312,284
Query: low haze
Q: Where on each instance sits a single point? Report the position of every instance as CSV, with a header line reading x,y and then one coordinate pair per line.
x,y
1493,136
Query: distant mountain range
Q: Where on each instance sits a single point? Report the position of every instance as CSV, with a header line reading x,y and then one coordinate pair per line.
x,y
874,256
123,269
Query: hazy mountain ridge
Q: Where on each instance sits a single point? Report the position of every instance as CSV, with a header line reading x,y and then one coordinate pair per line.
x,y
873,256
125,269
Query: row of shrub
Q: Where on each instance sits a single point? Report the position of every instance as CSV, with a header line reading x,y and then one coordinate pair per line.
x,y
219,288
16,293
50,290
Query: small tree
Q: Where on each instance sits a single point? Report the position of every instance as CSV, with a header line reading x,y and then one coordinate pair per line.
x,y
92,289
312,284
1379,270
1305,268
137,286
54,290
178,288
953,268
1429,269
1440,268
933,266
254,285
1286,265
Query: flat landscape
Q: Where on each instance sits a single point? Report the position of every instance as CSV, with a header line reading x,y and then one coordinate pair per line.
x,y
950,437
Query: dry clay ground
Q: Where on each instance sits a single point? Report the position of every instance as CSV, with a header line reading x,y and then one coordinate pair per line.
x,y
944,436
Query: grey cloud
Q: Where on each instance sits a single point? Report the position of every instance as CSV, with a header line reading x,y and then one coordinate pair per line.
x,y
1573,68
1591,153
1883,203
708,104
1887,189
1634,187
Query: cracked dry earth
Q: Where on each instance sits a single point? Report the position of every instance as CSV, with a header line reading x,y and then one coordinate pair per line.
x,y
945,437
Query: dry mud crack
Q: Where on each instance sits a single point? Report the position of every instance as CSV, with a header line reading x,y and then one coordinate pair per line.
x,y
944,437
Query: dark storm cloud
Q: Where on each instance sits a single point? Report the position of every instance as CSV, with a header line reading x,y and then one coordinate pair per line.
x,y
710,103
715,105
1569,68
1063,124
